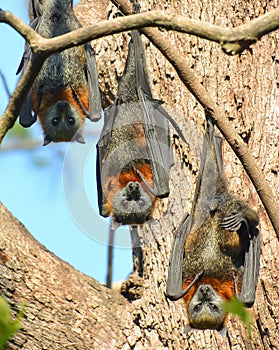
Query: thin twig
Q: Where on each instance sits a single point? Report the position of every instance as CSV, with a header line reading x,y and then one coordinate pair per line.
x,y
4,80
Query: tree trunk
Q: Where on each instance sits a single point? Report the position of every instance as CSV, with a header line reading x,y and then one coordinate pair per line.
x,y
66,309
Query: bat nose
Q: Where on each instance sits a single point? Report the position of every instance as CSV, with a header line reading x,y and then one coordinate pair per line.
x,y
133,186
133,190
205,290
62,105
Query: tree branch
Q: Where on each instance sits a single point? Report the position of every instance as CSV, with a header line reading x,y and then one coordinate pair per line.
x,y
60,302
22,28
5,84
233,40
204,98
12,111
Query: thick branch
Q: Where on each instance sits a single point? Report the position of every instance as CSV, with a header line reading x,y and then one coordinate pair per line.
x,y
62,306
204,98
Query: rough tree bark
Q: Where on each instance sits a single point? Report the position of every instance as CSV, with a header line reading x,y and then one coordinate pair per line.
x,y
66,309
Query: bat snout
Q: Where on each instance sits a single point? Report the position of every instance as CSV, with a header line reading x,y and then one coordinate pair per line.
x,y
133,191
132,205
62,105
65,112
206,292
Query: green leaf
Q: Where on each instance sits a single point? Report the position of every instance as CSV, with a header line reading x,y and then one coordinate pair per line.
x,y
8,326
236,307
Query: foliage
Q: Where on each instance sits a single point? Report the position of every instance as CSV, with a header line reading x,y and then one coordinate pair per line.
x,y
8,326
236,307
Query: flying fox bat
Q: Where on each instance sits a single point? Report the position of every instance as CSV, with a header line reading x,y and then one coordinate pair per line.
x,y
66,89
216,250
134,153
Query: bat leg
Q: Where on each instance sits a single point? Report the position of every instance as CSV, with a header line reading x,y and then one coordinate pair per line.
x,y
187,329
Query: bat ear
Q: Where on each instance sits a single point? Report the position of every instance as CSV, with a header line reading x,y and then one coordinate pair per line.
x,y
187,329
223,331
79,138
115,224
47,140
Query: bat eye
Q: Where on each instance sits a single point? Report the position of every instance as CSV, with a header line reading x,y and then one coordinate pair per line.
x,y
71,121
198,307
141,202
213,307
124,203
55,121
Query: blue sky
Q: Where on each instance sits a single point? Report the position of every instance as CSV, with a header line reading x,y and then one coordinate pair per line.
x,y
52,189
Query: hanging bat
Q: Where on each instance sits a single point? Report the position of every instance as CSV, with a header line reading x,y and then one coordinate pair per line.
x,y
66,89
216,250
134,153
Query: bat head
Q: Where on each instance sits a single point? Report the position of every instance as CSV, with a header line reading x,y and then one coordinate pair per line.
x,y
205,309
37,7
62,122
132,204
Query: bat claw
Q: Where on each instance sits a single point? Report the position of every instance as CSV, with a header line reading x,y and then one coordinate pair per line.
x,y
233,222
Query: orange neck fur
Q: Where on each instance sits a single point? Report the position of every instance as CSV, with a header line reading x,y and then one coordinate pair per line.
x,y
50,99
115,183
